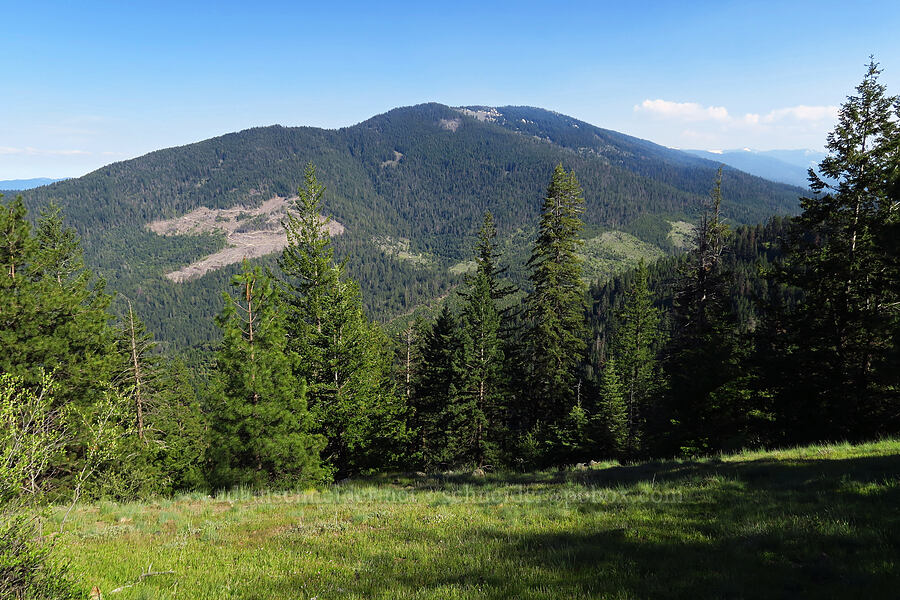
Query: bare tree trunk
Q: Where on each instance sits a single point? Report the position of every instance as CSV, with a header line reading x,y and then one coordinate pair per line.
x,y
138,383
409,338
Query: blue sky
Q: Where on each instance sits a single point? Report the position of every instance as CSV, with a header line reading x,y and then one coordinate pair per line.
x,y
89,83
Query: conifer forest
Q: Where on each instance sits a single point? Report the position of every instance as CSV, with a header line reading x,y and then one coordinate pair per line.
x,y
484,347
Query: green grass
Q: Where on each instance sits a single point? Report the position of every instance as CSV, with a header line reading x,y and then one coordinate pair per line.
x,y
464,266
612,252
400,249
819,521
680,234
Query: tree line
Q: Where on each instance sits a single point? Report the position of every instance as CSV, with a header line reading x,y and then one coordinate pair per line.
x,y
773,334
434,196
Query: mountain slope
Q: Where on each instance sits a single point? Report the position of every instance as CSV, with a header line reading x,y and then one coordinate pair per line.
x,y
422,175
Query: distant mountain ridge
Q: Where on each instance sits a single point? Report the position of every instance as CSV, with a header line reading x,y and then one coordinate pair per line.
x,y
786,166
25,184
419,176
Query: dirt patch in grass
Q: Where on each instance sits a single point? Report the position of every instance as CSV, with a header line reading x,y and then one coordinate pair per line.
x,y
249,232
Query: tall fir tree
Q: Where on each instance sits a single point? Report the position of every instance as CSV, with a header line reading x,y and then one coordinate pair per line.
x,y
634,348
180,427
167,428
842,255
53,311
554,311
487,261
438,402
702,354
484,388
611,419
341,355
262,432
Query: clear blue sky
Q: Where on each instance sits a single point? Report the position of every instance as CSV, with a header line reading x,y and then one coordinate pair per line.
x,y
88,83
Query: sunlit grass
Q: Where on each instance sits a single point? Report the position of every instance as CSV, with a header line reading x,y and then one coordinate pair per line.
x,y
613,252
817,521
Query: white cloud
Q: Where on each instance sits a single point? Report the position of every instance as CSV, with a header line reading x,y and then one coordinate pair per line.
x,y
802,113
693,111
66,152
695,125
685,111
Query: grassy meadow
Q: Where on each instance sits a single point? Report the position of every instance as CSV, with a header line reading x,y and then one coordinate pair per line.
x,y
819,521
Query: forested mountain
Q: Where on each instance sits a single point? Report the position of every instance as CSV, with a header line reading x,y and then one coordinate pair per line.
x,y
409,186
753,335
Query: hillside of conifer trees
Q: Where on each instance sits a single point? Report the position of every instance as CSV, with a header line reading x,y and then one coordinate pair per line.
x,y
420,176
769,334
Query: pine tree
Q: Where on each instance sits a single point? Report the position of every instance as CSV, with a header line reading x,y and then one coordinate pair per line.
x,y
180,427
484,387
487,261
555,339
840,255
572,440
18,243
262,430
164,418
703,288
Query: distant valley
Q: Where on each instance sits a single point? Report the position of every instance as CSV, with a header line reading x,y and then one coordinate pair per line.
x,y
25,184
786,166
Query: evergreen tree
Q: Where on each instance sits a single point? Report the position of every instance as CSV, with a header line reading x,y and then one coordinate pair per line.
x,y
180,427
611,420
483,389
487,259
54,317
555,339
168,430
438,404
262,430
18,244
703,352
842,256
635,351
340,356
53,313
572,440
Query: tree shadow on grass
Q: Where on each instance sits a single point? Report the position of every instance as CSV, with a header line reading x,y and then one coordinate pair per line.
x,y
758,529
